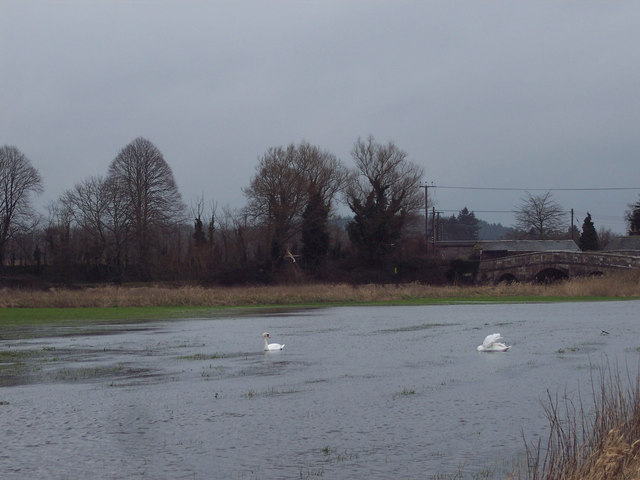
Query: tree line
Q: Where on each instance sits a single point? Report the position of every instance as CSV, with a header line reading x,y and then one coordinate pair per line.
x,y
133,225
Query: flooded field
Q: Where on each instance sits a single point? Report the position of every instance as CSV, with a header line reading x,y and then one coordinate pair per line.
x,y
358,392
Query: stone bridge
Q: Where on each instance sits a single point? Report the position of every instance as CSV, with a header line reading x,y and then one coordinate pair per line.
x,y
552,265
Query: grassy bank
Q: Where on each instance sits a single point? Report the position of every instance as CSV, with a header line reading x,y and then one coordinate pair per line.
x,y
160,301
620,286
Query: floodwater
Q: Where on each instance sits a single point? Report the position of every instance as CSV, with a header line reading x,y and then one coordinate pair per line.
x,y
357,393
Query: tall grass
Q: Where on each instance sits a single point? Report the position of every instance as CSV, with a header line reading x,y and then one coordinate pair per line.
x,y
622,285
601,445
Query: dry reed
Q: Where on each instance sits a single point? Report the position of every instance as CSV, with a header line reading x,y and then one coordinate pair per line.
x,y
623,286
602,445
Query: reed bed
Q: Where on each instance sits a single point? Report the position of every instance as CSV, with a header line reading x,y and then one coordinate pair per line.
x,y
599,445
147,295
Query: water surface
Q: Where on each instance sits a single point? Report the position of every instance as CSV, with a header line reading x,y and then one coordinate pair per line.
x,y
358,392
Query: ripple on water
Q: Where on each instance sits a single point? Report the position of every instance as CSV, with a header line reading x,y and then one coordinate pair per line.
x,y
359,392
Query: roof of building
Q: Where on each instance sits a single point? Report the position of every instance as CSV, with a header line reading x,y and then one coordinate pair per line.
x,y
631,242
527,245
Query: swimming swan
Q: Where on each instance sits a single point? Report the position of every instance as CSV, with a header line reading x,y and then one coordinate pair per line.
x,y
492,344
270,346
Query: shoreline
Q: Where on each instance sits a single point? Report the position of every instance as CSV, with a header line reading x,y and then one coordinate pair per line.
x,y
140,301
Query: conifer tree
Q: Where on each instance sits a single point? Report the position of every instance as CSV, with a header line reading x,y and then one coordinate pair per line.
x,y
633,219
589,237
315,232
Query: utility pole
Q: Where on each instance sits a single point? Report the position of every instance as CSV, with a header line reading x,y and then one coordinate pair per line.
x,y
572,226
426,217
433,228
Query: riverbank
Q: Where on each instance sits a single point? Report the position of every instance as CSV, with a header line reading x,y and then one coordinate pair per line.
x,y
155,295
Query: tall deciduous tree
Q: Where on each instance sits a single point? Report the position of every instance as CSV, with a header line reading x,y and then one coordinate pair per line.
x,y
19,180
288,182
324,176
88,203
589,236
540,216
276,198
382,192
153,203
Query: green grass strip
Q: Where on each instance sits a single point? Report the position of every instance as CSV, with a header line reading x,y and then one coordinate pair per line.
x,y
92,315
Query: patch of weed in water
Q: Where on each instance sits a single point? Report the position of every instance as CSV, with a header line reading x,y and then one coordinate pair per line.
x,y
271,392
202,356
309,473
95,373
562,351
17,356
415,328
331,456
405,392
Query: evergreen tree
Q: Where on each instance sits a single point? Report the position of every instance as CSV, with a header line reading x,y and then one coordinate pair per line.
x,y
463,227
198,234
469,223
315,232
376,226
382,192
633,219
589,237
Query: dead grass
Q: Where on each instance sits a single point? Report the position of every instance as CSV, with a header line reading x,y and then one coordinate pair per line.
x,y
622,286
601,445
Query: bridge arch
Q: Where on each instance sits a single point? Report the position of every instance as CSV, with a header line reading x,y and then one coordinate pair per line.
x,y
550,274
507,278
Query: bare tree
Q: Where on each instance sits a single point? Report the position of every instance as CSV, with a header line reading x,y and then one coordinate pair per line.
x,y
19,180
540,216
117,225
144,179
382,192
285,181
199,230
605,235
89,203
58,244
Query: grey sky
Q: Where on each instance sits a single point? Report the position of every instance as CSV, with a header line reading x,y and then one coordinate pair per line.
x,y
526,94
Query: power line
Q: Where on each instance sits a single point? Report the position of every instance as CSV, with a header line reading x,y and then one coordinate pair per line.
x,y
586,189
473,211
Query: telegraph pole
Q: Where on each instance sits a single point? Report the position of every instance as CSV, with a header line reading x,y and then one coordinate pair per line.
x,y
426,217
572,226
433,228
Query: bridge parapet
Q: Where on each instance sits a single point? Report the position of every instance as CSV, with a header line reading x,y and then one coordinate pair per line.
x,y
553,264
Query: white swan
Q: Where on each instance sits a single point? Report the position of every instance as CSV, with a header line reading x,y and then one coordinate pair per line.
x,y
270,346
493,344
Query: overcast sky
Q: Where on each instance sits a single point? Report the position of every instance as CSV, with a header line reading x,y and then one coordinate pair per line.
x,y
518,94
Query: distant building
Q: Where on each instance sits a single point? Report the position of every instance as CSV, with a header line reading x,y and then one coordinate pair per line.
x,y
483,249
504,248
626,245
